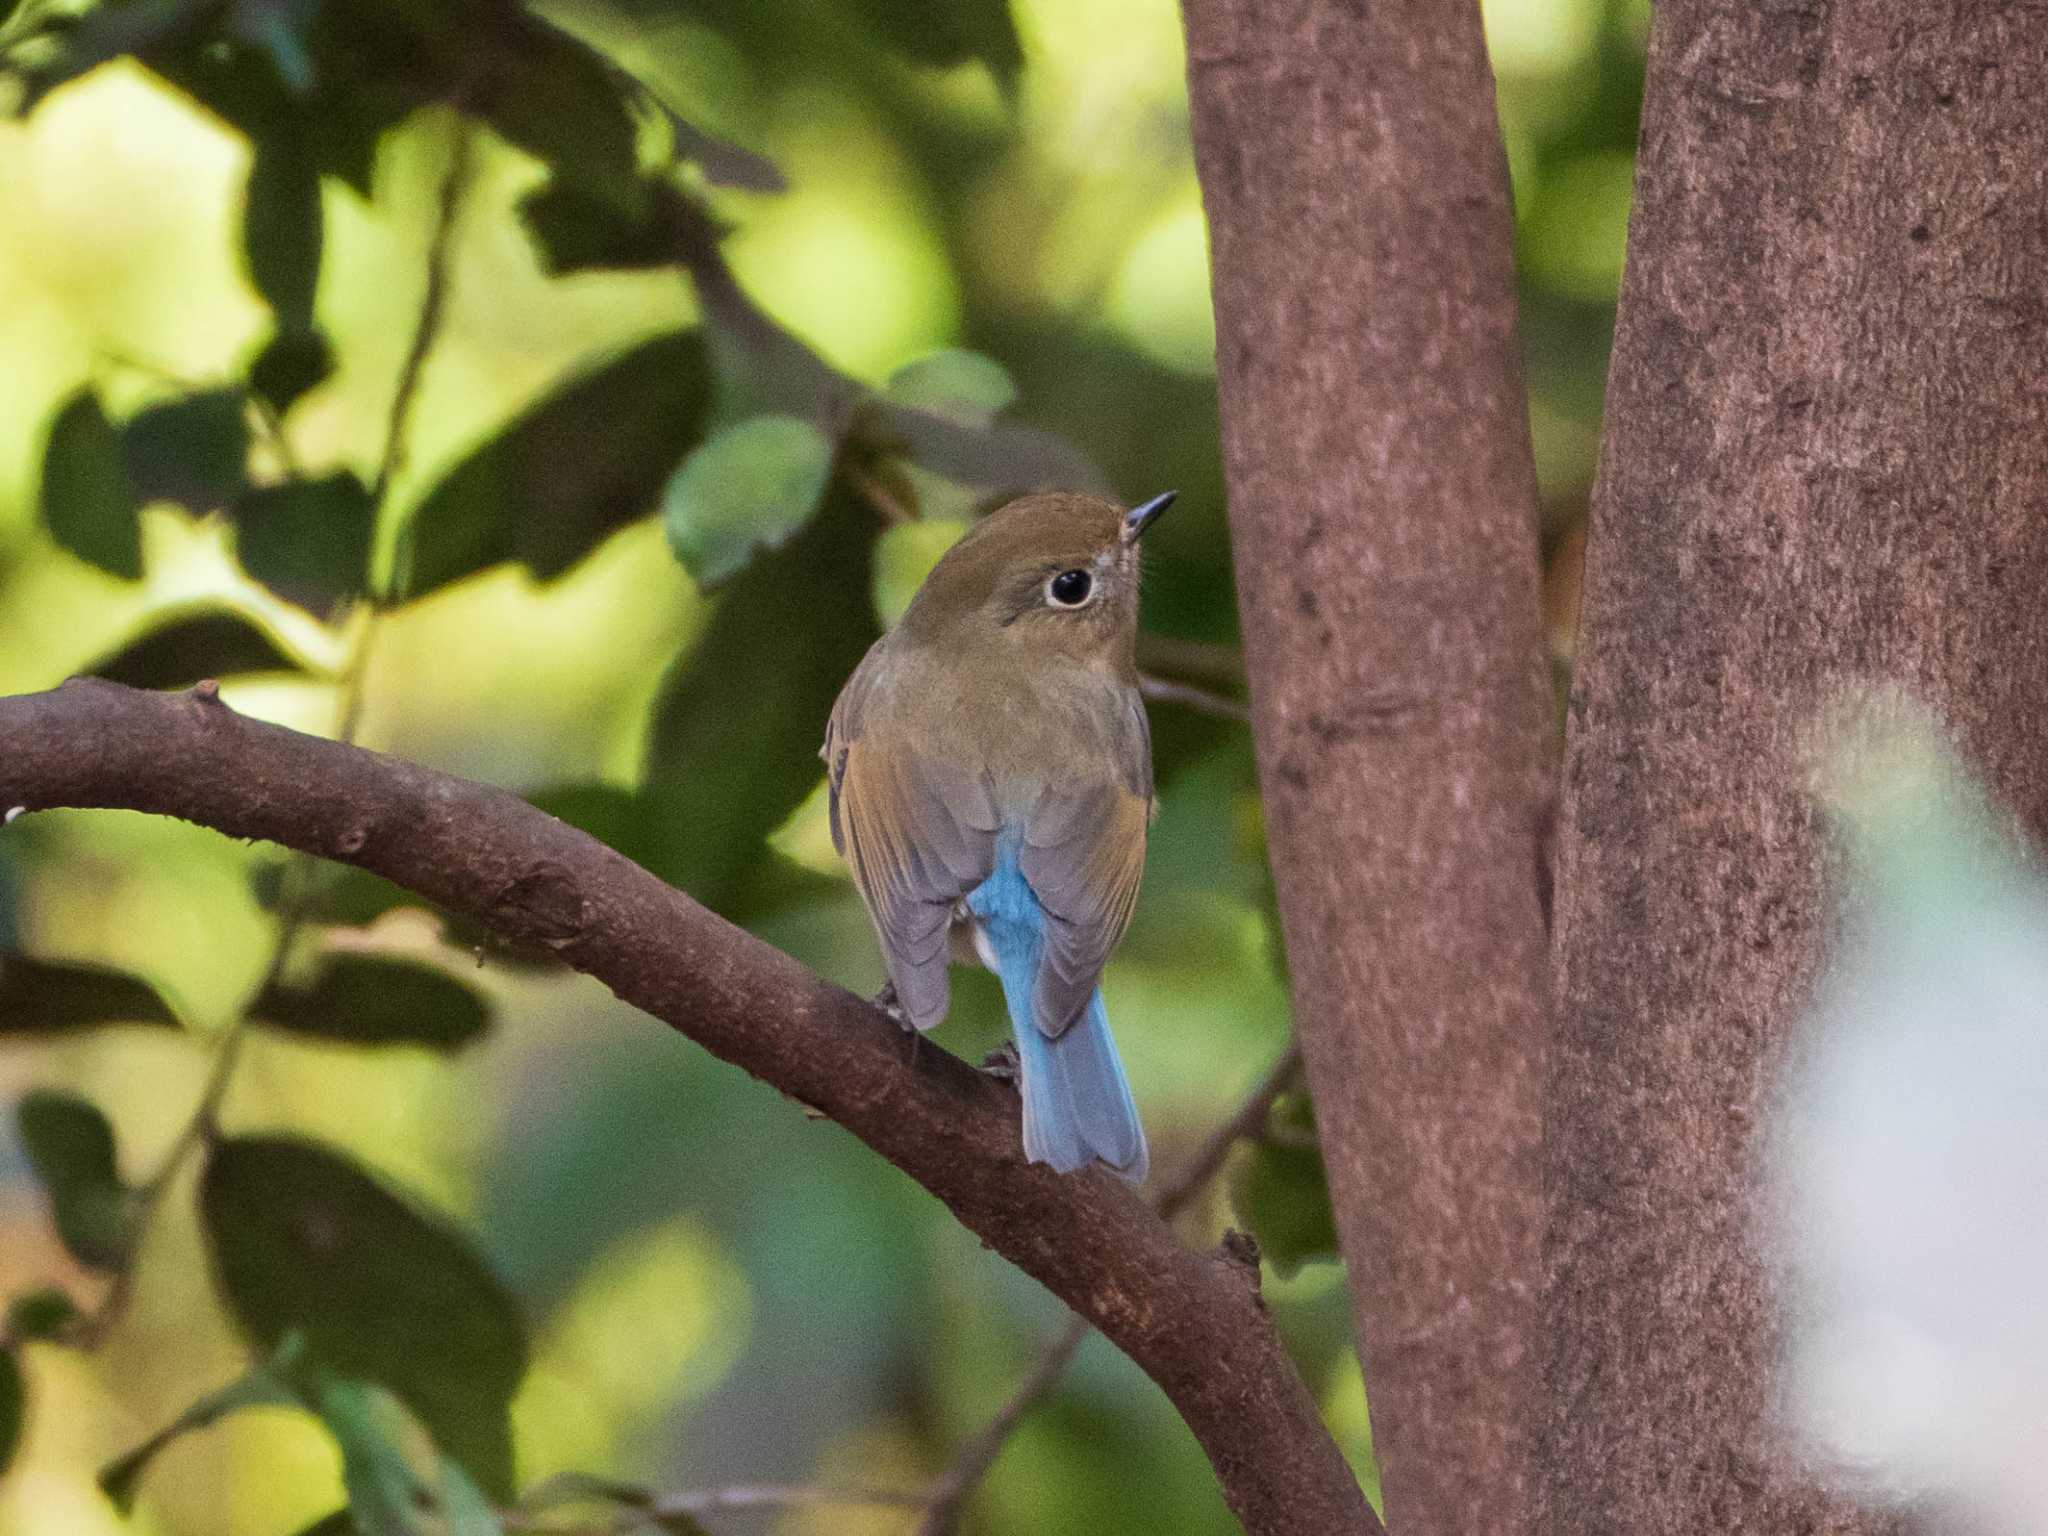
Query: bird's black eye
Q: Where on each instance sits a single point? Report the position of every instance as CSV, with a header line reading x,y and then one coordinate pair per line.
x,y
1070,589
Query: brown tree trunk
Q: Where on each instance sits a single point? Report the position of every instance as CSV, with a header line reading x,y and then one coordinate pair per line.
x,y
1826,461
1383,515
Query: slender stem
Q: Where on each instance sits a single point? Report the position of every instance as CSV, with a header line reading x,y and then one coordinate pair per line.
x,y
972,1460
1208,702
707,1501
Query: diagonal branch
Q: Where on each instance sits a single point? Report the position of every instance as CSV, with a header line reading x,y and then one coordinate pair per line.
x,y
1190,1320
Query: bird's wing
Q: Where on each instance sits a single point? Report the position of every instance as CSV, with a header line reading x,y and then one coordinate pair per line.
x,y
1083,855
917,834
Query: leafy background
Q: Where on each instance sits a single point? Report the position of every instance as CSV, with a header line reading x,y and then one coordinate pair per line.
x,y
737,312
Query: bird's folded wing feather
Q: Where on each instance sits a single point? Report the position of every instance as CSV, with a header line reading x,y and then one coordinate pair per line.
x,y
1084,856
918,835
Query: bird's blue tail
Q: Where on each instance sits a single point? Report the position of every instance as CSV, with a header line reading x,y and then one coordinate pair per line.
x,y
1077,1102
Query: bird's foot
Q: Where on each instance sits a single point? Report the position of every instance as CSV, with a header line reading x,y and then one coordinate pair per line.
x,y
886,1001
1001,1063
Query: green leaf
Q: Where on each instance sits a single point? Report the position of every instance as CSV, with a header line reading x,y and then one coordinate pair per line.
x,y
1281,1193
260,1388
585,461
562,101
89,503
904,556
303,1240
39,997
963,385
615,817
577,231
741,716
182,645
308,540
41,1314
376,1000
290,364
13,1407
396,1486
282,230
749,488
71,1147
277,28
945,34
193,450
340,1523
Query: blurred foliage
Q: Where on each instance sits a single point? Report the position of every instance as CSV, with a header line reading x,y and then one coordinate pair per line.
x,y
566,396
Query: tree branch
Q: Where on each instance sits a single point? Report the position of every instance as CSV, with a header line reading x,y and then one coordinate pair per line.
x,y
1191,1320
971,1462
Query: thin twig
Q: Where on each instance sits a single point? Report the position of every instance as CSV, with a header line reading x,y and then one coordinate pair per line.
x,y
1209,703
709,1501
433,305
972,1460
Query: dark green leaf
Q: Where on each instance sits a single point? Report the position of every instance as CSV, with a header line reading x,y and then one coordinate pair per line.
x,y
954,382
281,229
88,500
943,33
340,894
577,231
615,817
40,997
308,540
1280,1192
262,1387
44,1314
277,28
396,1487
340,1523
184,645
586,460
376,1000
741,716
13,1404
193,450
291,363
562,101
303,1240
71,1147
749,488
140,27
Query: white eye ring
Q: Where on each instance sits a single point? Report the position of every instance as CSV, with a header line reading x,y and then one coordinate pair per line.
x,y
1071,588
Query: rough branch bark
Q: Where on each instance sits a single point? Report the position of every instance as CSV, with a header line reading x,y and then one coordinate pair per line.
x,y
1826,461
1192,1320
1383,514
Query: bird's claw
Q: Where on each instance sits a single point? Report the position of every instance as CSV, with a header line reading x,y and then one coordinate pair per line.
x,y
886,1001
1001,1063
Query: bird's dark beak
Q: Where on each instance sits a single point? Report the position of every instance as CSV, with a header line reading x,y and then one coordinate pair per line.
x,y
1139,518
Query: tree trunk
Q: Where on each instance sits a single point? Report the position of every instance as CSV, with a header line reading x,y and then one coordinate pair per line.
x,y
1383,517
1826,461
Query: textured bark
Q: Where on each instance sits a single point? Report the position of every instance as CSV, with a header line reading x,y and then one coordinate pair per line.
x,y
1192,1321
1383,516
1826,461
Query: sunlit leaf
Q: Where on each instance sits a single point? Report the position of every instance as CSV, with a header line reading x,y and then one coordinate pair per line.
x,y
376,1000
89,503
749,488
966,386
49,996
904,556
308,540
71,1147
193,449
303,1240
42,1314
1281,1193
741,716
183,645
262,1387
586,460
13,1403
282,230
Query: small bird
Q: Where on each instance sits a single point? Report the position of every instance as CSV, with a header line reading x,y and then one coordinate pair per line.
x,y
991,767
